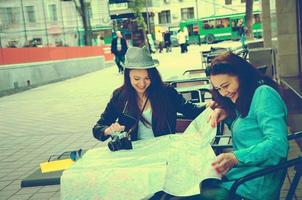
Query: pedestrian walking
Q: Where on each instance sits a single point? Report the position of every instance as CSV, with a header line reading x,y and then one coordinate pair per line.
x,y
181,38
186,33
160,41
119,48
101,41
150,43
167,40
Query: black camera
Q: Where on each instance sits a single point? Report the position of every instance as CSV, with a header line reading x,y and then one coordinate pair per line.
x,y
119,141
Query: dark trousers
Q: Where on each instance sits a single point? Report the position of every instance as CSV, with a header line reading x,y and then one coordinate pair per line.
x,y
210,189
168,46
183,48
160,47
119,60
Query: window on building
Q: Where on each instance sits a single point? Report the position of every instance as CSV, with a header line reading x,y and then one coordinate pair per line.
x,y
52,11
228,2
187,13
164,17
10,15
30,13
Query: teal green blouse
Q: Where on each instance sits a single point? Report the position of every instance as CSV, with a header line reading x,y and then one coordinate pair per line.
x,y
260,140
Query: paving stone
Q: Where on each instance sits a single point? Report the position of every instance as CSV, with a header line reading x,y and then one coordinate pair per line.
x,y
20,197
51,188
5,194
29,190
44,195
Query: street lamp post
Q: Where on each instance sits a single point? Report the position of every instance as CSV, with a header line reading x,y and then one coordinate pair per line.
x,y
24,24
197,17
147,16
197,14
0,40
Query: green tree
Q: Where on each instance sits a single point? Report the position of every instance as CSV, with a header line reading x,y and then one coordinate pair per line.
x,y
137,6
83,12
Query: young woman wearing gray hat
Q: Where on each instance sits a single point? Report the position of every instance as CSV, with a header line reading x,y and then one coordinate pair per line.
x,y
143,105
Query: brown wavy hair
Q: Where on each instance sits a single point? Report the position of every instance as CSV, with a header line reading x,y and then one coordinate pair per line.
x,y
156,94
249,80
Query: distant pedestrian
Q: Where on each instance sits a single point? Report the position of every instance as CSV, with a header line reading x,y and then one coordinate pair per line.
x,y
119,48
167,40
181,38
186,33
101,41
150,43
160,41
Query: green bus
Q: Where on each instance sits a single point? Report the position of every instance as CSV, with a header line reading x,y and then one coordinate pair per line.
x,y
216,28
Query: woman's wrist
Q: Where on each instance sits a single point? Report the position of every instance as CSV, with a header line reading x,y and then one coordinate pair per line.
x,y
234,158
106,131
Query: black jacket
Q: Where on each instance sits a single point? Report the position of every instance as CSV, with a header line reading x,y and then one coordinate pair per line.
x,y
117,106
114,47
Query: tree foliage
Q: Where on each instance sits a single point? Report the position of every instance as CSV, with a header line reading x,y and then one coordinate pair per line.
x,y
137,7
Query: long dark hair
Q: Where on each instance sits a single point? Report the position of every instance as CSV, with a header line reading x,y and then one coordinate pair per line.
x,y
156,94
249,79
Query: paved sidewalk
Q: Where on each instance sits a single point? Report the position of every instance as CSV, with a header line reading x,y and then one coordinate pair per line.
x,y
49,120
58,117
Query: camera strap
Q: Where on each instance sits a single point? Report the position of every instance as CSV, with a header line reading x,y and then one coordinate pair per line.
x,y
143,108
141,112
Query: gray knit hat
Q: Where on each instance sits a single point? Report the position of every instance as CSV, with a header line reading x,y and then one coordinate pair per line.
x,y
139,58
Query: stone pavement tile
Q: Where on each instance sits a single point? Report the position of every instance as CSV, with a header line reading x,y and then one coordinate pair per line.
x,y
3,184
5,194
20,197
44,195
3,173
6,151
28,190
50,188
12,176
14,185
56,196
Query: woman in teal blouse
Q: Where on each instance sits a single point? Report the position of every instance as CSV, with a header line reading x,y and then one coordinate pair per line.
x,y
256,115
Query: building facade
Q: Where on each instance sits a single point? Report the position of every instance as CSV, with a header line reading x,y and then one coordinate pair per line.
x,y
26,23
